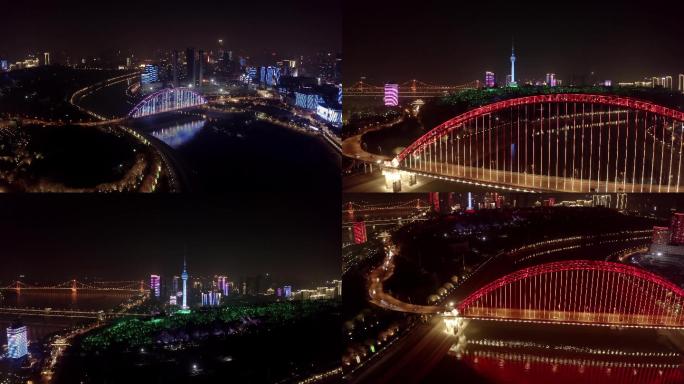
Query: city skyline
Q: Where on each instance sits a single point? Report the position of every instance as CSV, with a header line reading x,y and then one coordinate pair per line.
x,y
133,237
83,29
606,41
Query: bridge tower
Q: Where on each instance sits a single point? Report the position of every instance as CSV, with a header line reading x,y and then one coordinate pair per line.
x,y
142,286
73,285
18,286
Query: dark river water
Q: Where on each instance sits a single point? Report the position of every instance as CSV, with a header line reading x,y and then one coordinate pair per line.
x,y
232,151
41,326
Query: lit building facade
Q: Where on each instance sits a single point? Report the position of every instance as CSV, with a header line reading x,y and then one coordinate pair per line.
x,y
359,230
677,228
680,82
329,114
490,80
287,290
154,285
661,235
551,79
308,101
150,74
391,95
222,285
211,299
17,341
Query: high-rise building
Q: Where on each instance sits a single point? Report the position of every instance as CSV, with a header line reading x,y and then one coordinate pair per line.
x,y
173,300
17,342
391,95
175,284
154,285
46,58
287,291
655,81
490,80
680,83
150,74
667,82
211,299
661,235
202,59
551,79
190,64
174,68
184,277
222,284
512,83
359,230
677,229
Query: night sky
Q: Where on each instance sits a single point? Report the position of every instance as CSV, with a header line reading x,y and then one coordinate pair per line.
x,y
53,237
453,42
84,27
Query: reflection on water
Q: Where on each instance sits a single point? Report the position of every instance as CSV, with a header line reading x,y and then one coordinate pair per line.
x,y
518,367
538,360
177,135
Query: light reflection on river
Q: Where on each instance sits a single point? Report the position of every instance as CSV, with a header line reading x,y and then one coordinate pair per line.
x,y
179,134
496,353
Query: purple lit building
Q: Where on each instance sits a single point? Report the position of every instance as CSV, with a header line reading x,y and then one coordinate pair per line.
x,y
391,95
489,79
154,285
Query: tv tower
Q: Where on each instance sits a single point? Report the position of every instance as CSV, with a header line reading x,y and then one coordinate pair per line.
x,y
184,276
513,83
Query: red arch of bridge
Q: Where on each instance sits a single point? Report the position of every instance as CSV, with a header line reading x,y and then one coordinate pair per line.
x,y
572,265
457,121
160,92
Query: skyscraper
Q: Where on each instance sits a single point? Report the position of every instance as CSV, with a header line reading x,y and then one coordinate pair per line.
x,y
174,67
222,284
677,228
551,79
46,59
512,83
17,342
190,60
391,95
490,80
680,83
154,285
360,236
201,59
667,82
184,277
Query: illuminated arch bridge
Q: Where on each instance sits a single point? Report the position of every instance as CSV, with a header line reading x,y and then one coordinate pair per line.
x,y
580,292
166,100
559,142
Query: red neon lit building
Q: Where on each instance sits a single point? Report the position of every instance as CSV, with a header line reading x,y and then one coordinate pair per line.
x,y
677,228
360,232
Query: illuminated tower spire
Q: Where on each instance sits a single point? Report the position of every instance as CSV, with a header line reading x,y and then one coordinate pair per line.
x,y
513,84
184,276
